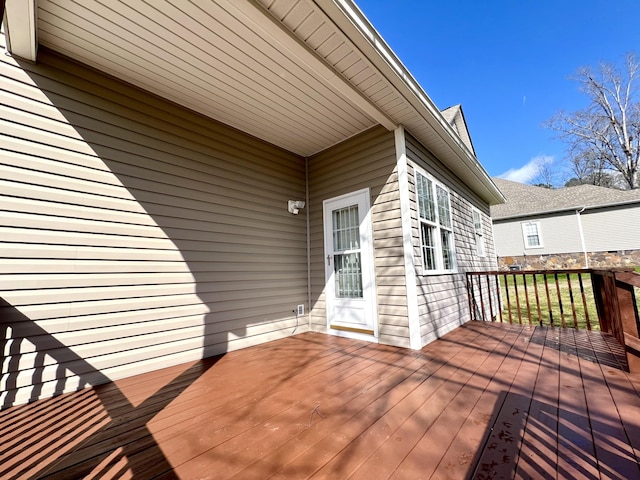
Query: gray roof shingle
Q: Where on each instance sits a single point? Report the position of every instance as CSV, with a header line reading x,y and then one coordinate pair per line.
x,y
524,200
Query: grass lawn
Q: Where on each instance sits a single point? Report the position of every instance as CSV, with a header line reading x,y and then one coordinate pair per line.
x,y
550,299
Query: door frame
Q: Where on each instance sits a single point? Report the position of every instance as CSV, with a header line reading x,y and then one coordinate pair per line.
x,y
367,263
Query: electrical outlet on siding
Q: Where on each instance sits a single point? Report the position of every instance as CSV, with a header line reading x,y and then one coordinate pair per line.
x,y
300,310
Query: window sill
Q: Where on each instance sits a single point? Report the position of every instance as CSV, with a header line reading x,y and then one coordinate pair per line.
x,y
431,273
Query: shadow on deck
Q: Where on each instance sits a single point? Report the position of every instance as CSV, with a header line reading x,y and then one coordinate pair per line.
x,y
485,401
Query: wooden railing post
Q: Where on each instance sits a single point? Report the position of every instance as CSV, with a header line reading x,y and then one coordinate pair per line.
x,y
628,316
613,294
600,297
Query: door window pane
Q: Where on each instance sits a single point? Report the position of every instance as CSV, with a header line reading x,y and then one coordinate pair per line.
x,y
348,275
346,229
347,267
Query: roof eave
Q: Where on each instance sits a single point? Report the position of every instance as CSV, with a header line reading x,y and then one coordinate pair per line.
x,y
352,21
564,210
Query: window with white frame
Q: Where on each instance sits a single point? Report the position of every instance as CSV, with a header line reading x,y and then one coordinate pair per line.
x,y
479,235
436,226
532,235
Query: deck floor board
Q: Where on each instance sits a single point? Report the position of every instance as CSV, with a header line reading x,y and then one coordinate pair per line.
x,y
486,400
576,453
428,389
462,452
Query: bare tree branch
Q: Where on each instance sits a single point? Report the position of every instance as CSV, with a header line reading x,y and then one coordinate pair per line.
x,y
606,135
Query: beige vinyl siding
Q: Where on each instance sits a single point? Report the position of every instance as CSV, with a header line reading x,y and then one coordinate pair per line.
x,y
604,229
559,234
365,161
442,299
464,231
612,229
135,234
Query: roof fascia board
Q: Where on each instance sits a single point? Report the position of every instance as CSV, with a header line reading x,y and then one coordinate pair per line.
x,y
466,127
348,17
565,210
280,36
21,32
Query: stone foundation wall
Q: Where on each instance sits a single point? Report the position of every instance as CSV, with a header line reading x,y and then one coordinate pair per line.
x,y
624,258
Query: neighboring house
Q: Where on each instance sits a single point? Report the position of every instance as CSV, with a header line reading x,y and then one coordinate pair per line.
x,y
154,158
573,227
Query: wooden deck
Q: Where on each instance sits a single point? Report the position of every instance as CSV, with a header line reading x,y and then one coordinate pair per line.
x,y
485,401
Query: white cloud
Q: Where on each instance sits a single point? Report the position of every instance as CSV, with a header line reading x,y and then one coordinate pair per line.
x,y
529,171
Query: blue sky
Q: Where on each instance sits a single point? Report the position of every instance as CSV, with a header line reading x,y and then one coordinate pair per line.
x,y
507,62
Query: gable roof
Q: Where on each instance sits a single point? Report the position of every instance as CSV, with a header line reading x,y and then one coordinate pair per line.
x,y
455,116
303,76
527,200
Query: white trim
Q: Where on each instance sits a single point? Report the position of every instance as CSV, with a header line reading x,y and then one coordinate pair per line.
x,y
460,159
494,257
582,242
353,335
368,271
308,214
440,270
538,232
21,30
480,252
415,339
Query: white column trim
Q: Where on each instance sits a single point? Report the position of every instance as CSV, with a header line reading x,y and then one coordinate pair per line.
x,y
21,28
308,215
415,339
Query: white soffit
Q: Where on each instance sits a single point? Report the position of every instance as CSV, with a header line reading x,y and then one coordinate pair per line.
x,y
226,59
300,74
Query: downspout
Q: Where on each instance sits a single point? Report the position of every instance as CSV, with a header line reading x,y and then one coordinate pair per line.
x,y
584,246
307,211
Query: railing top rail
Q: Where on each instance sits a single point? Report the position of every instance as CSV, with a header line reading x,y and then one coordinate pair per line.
x,y
630,278
613,270
532,272
601,271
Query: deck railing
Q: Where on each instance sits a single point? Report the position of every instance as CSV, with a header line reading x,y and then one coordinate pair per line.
x,y
615,294
582,299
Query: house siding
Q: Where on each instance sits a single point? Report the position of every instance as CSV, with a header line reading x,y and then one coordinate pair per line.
x,y
365,161
442,299
605,229
136,234
559,234
612,229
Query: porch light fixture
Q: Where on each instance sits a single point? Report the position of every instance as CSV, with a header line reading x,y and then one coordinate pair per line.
x,y
295,206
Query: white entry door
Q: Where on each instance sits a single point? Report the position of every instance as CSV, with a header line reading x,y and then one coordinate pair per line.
x,y
349,272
